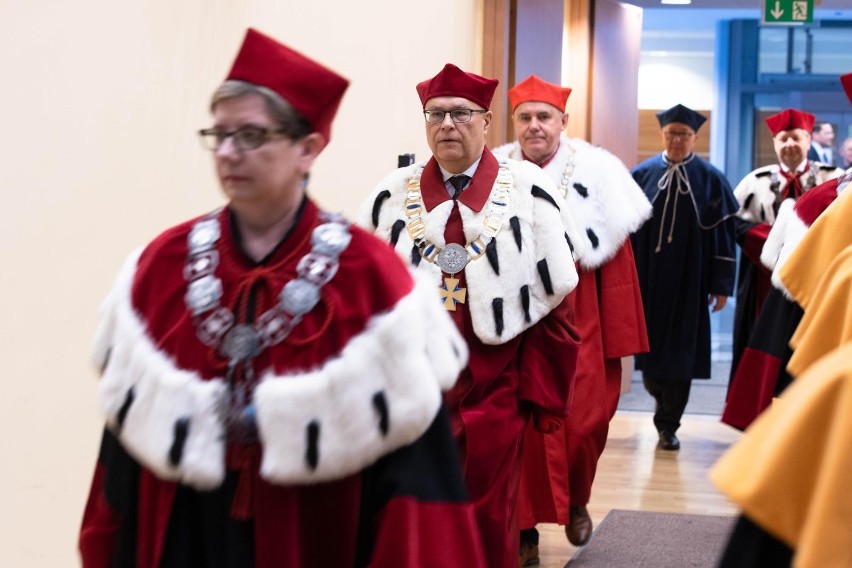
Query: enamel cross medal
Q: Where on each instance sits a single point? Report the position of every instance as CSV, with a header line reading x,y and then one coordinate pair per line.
x,y
452,259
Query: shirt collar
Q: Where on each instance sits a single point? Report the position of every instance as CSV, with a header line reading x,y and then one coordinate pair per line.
x,y
474,196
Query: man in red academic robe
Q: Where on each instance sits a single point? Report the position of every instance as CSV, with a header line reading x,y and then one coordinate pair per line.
x,y
493,237
272,376
760,195
607,205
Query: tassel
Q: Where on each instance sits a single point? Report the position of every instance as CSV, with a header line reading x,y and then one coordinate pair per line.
x,y
246,460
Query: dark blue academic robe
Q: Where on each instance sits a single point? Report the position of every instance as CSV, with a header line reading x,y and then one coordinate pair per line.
x,y
683,253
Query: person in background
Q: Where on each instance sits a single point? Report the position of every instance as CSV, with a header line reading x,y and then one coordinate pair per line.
x,y
845,153
760,195
788,473
493,237
607,205
271,375
822,143
685,261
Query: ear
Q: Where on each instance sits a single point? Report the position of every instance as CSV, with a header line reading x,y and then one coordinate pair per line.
x,y
564,121
311,146
486,120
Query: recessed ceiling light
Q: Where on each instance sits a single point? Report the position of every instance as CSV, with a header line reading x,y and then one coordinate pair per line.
x,y
678,2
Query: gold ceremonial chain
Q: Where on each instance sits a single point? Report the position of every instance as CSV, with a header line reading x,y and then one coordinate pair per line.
x,y
452,258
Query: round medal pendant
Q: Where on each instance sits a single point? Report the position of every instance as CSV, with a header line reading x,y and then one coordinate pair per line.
x,y
452,258
240,343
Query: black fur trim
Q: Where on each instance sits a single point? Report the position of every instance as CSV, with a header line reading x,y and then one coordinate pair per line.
x,y
515,223
540,193
748,200
581,189
491,253
416,257
497,310
312,452
181,432
762,213
593,238
380,403
544,272
763,174
377,205
570,244
525,302
396,230
122,412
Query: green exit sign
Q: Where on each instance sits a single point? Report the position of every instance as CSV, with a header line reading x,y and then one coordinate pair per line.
x,y
788,12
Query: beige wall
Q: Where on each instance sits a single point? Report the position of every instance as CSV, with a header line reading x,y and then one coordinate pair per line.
x,y
100,101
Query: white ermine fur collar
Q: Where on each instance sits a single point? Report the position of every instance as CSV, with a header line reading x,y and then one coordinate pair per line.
x,y
757,192
604,201
533,267
786,234
409,354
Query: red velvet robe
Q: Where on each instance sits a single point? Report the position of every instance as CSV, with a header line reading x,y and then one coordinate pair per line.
x,y
407,509
761,373
503,384
611,322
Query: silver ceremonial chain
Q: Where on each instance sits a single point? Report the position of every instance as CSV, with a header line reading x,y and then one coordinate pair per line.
x,y
569,171
240,343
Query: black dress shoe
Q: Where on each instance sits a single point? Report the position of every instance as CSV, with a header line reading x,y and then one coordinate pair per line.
x,y
579,527
528,555
668,441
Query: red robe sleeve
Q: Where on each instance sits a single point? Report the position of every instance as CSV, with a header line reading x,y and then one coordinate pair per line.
x,y
98,533
621,311
548,360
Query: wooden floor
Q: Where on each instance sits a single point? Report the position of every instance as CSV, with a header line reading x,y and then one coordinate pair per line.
x,y
633,474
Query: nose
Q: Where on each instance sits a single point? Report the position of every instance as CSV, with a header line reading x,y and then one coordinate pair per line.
x,y
448,122
227,148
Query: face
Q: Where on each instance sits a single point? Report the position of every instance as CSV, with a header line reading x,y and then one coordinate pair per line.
x,y
791,147
267,178
537,127
678,141
456,145
846,150
825,135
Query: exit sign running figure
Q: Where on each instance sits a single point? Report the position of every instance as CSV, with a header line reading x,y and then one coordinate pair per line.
x,y
788,12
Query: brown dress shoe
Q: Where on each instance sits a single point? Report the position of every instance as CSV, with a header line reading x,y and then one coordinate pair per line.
x,y
529,555
668,441
579,527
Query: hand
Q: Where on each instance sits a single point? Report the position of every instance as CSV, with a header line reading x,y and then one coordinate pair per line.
x,y
546,423
720,301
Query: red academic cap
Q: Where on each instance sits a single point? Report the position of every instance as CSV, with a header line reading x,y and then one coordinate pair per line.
x,y
682,114
534,89
846,80
314,90
453,82
790,119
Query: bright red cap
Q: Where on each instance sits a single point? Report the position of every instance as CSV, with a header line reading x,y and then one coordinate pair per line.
x,y
313,90
790,119
847,85
534,89
453,82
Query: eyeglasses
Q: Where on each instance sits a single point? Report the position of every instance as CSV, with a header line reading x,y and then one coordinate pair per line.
x,y
681,135
245,138
457,115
